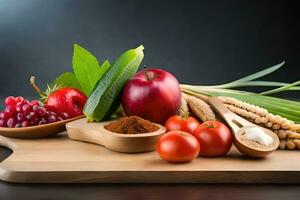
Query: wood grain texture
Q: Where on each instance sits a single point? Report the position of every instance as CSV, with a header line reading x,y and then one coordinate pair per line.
x,y
61,160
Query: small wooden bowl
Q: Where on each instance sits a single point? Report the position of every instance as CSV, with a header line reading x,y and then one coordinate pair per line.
x,y
40,131
127,143
255,152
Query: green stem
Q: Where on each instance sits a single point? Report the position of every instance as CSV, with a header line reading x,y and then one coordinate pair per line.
x,y
280,89
185,115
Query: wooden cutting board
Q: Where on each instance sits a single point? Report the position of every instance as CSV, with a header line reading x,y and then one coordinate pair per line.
x,y
61,160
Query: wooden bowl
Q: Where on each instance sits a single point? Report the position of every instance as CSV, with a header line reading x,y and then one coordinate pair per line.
x,y
128,143
251,151
40,131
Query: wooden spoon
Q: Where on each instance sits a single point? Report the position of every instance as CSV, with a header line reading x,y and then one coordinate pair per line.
x,y
40,131
128,143
238,125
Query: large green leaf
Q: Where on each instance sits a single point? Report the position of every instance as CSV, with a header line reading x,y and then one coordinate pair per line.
x,y
86,68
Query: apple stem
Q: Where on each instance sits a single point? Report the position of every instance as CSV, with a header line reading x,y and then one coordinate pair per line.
x,y
147,74
35,87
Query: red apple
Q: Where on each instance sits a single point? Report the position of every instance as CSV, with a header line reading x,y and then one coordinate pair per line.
x,y
152,94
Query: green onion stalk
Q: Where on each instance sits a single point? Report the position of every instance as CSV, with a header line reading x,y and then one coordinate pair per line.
x,y
278,106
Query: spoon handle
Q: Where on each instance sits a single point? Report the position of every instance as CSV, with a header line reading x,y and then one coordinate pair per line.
x,y
234,121
87,135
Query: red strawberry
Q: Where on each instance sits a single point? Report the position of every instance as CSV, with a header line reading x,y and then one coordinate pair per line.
x,y
62,100
68,100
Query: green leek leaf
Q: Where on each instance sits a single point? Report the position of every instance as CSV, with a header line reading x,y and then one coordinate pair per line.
x,y
281,89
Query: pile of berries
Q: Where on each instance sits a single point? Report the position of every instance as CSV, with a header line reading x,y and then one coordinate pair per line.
x,y
20,112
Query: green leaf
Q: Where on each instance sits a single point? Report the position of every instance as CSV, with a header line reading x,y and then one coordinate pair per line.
x,y
67,79
256,84
104,67
281,89
252,76
267,83
86,68
105,96
261,73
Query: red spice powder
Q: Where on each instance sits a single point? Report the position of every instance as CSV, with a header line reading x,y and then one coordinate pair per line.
x,y
131,125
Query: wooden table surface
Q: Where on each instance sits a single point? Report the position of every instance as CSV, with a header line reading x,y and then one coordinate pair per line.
x,y
61,160
146,191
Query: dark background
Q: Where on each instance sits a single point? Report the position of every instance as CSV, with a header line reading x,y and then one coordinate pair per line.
x,y
201,42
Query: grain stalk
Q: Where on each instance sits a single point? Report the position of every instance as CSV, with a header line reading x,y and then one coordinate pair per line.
x,y
277,106
183,109
199,108
258,115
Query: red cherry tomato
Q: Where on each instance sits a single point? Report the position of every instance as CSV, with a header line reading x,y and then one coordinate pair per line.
x,y
178,146
179,123
214,137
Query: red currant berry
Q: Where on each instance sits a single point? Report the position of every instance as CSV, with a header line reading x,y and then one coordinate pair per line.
x,y
53,113
21,103
64,115
11,122
35,103
34,121
10,109
10,100
25,123
2,123
42,112
35,107
5,115
26,108
20,117
25,101
18,125
51,119
32,115
19,99
42,121
19,107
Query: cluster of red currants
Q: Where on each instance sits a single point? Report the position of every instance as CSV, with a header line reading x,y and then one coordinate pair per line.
x,y
20,112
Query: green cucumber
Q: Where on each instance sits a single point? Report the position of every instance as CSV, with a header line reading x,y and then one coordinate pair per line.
x,y
109,87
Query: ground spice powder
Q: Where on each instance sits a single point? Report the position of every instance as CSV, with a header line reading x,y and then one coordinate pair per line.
x,y
131,125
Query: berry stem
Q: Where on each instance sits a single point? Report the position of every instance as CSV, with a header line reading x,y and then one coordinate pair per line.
x,y
35,87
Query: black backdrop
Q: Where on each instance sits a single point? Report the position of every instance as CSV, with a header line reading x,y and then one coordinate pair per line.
x,y
201,42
